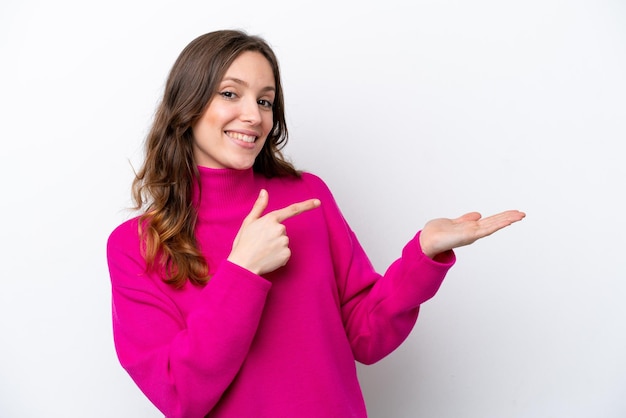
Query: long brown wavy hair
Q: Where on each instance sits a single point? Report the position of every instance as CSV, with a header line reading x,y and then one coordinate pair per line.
x,y
164,185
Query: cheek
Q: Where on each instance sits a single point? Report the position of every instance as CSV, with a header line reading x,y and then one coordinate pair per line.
x,y
268,124
217,118
217,115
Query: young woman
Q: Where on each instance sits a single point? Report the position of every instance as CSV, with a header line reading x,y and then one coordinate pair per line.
x,y
241,291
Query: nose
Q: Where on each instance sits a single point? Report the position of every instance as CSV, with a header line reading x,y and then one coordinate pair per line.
x,y
250,111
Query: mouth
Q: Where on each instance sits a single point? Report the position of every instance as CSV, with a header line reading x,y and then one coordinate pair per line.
x,y
242,137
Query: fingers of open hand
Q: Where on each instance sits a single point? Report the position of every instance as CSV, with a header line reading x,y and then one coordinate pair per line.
x,y
491,224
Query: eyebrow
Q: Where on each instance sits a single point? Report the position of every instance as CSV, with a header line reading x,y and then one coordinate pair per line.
x,y
244,83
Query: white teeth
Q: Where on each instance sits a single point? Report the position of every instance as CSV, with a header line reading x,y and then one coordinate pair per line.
x,y
242,137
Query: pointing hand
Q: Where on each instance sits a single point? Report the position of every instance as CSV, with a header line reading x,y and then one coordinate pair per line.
x,y
262,245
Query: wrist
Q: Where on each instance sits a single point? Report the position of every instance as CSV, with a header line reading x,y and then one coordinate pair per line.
x,y
426,247
243,264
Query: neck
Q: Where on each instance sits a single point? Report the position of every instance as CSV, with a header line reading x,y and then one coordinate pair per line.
x,y
223,187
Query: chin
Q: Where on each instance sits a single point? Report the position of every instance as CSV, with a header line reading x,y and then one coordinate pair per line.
x,y
243,165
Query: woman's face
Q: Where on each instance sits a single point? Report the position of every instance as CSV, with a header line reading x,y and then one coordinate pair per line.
x,y
235,125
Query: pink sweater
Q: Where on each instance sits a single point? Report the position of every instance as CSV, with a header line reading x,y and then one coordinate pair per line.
x,y
279,345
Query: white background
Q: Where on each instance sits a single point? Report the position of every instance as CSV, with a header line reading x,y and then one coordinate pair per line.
x,y
409,111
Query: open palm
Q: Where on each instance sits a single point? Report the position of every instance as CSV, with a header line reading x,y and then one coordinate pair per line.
x,y
442,234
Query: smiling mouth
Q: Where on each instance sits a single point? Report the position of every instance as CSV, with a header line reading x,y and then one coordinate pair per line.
x,y
241,137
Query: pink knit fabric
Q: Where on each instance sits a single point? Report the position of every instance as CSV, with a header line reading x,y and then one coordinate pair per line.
x,y
281,345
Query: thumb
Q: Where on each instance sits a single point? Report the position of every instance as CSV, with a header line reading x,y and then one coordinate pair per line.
x,y
259,206
471,216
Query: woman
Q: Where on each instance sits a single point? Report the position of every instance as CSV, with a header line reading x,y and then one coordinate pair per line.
x,y
241,291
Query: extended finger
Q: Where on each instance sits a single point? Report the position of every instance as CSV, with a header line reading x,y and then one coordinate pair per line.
x,y
259,206
509,216
295,209
501,220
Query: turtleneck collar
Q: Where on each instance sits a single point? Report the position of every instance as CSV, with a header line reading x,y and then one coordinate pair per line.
x,y
222,187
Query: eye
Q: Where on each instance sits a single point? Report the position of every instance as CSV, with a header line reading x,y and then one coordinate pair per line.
x,y
228,94
265,103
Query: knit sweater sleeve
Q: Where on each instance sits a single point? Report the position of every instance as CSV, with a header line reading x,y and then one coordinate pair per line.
x,y
379,311
183,362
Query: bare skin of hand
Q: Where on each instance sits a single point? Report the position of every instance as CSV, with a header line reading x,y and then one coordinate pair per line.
x,y
440,235
262,245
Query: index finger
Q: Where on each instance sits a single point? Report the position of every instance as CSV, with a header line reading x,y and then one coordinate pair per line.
x,y
294,209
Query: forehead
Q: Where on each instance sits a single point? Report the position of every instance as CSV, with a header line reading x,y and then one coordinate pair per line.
x,y
251,67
